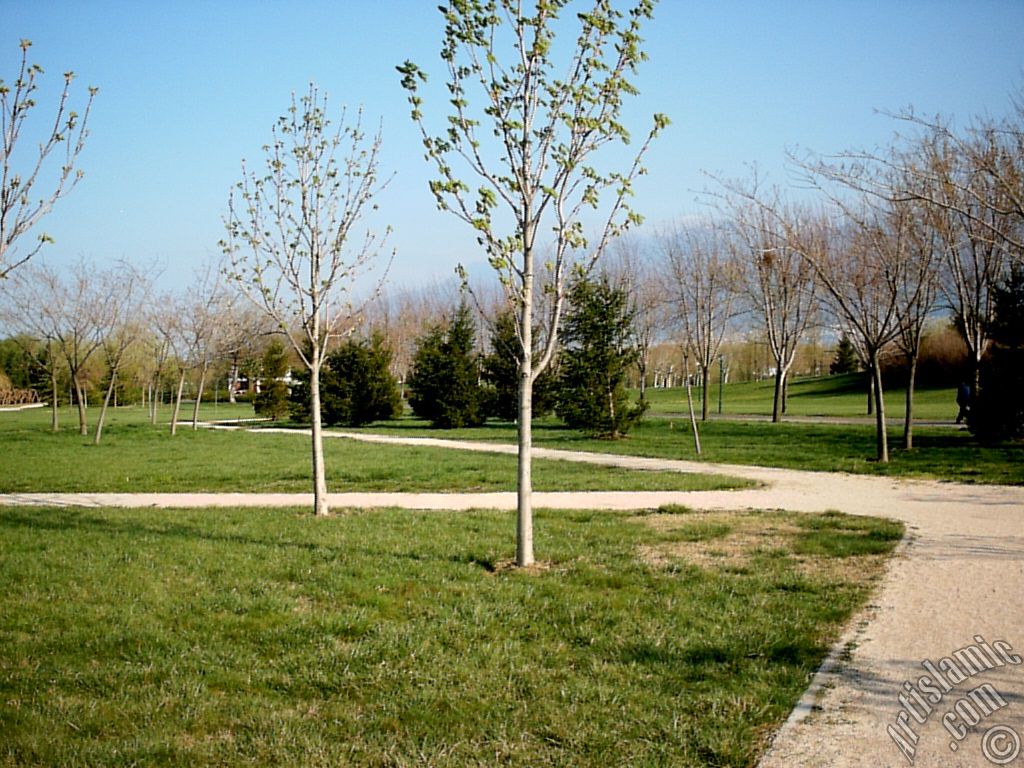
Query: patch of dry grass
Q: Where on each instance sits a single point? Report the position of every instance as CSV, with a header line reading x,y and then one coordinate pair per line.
x,y
736,541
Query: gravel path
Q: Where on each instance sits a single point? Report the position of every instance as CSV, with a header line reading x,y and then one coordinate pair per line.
x,y
957,582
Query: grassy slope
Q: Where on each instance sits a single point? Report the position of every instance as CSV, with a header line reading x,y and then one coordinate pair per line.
x,y
178,637
841,396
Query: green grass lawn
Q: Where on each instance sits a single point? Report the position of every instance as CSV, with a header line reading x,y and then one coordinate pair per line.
x,y
135,456
838,396
940,453
387,638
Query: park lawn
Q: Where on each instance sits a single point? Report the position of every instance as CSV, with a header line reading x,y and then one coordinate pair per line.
x,y
940,453
269,637
135,456
828,396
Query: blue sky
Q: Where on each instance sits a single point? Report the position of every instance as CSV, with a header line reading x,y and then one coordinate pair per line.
x,y
189,88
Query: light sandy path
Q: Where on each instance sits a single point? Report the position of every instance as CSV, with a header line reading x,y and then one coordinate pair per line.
x,y
959,577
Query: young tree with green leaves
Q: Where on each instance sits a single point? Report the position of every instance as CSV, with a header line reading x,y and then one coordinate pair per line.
x,y
21,204
598,351
445,380
294,239
526,127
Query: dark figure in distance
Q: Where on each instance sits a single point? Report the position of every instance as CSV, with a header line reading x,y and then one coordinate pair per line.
x,y
963,399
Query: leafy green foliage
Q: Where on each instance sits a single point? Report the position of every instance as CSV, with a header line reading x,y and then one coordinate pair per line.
x,y
845,360
599,349
997,410
272,399
445,380
356,386
500,369
19,364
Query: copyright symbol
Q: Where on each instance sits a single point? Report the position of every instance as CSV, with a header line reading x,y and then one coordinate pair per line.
x,y
1000,744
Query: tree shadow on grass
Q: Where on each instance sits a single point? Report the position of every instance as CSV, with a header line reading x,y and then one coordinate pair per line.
x,y
63,520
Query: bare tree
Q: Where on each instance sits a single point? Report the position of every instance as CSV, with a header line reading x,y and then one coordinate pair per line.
x,y
72,312
976,174
292,237
530,145
126,289
973,263
21,204
705,289
193,332
405,315
634,270
970,185
861,269
778,281
917,291
243,333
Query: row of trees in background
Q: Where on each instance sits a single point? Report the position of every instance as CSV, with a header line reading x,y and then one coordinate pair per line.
x,y
935,222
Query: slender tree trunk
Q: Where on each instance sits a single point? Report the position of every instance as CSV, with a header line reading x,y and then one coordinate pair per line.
x,y
177,403
158,391
704,391
54,423
199,397
233,379
103,410
320,507
83,424
881,429
871,390
777,401
908,418
524,479
689,402
785,391
642,368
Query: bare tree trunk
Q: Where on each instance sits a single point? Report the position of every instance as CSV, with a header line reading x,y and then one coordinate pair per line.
x,y
881,429
908,418
785,390
704,392
54,424
233,380
871,390
83,425
199,397
320,507
776,406
103,410
177,403
689,401
524,473
524,484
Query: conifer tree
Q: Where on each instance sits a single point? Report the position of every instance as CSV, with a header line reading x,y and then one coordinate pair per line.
x,y
599,350
445,379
